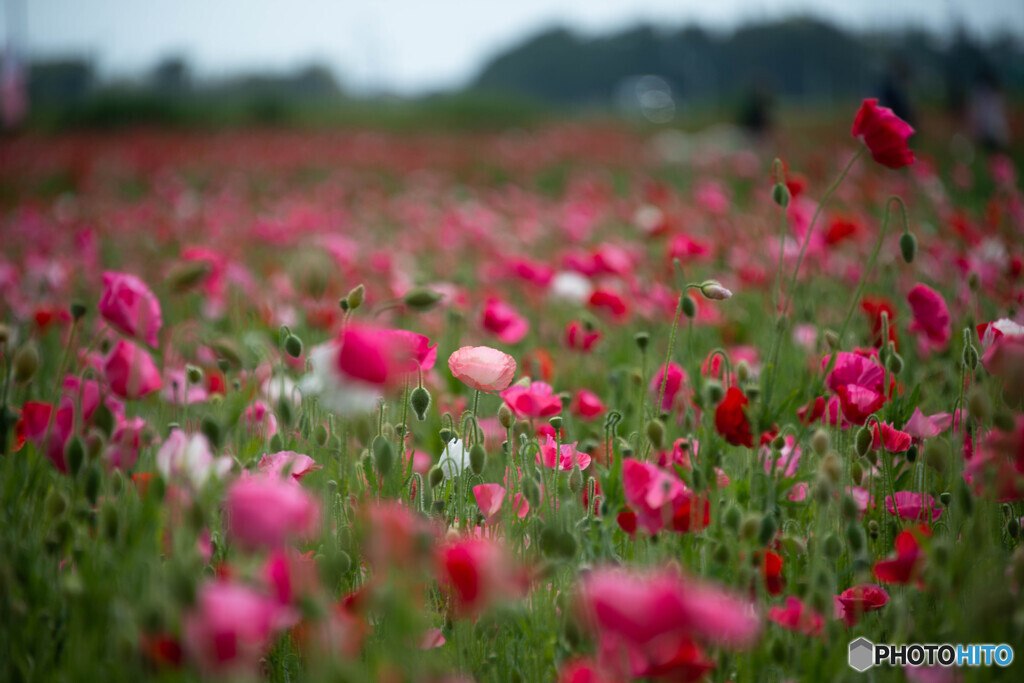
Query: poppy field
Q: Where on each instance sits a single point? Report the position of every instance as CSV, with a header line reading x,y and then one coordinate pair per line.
x,y
574,403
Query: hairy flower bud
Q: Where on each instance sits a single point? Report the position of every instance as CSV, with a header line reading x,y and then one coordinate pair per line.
x,y
419,399
689,306
908,247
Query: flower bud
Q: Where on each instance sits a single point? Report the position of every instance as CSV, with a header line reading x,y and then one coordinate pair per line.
x,y
1013,527
732,518
656,433
848,508
873,529
435,476
855,536
419,399
109,521
446,435
78,310
822,490
421,299
293,346
820,441
856,473
751,525
779,442
974,281
276,444
26,362
714,391
555,422
477,459
911,454
945,498
832,547
895,363
964,498
320,435
743,371
56,504
721,554
908,247
831,467
531,491
506,418
715,291
831,339
576,479
355,297
74,455
978,404
970,357
92,483
766,532
383,456
862,442
642,340
689,306
780,195
193,374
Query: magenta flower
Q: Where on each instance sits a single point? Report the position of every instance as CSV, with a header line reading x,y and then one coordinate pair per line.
x,y
855,601
504,322
674,378
891,438
796,616
265,513
130,371
297,465
490,498
561,458
586,405
931,318
913,506
536,400
130,307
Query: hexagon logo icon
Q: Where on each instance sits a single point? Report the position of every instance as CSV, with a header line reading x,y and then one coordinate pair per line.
x,y
862,654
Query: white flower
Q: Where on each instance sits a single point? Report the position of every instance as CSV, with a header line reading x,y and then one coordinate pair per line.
x,y
572,287
337,393
189,457
454,459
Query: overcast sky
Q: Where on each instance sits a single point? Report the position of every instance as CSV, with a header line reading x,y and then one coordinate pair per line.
x,y
411,46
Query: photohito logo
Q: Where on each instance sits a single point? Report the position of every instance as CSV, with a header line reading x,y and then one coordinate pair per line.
x,y
864,654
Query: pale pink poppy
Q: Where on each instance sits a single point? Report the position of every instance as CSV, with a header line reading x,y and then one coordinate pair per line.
x,y
482,368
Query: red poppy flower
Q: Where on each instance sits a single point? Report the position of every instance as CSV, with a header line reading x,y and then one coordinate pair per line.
x,y
731,419
884,133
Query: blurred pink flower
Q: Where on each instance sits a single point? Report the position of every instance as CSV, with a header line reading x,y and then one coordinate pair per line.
x,y
297,465
931,318
913,506
536,400
264,513
504,322
130,307
130,371
561,459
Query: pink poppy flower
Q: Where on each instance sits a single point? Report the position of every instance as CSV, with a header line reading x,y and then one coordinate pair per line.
x,y
579,338
674,378
370,355
477,573
788,460
884,133
177,391
130,307
891,438
264,512
415,352
297,465
504,322
610,302
536,400
561,459
931,318
797,616
123,450
858,600
482,368
189,458
921,426
130,371
491,497
231,626
586,405
913,506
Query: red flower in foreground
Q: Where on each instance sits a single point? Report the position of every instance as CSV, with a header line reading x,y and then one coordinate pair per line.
x,y
731,419
884,133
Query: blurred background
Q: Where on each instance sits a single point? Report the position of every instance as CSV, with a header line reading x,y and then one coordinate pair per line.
x,y
110,63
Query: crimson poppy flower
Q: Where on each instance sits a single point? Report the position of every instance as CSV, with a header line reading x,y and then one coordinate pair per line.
x,y
884,133
731,419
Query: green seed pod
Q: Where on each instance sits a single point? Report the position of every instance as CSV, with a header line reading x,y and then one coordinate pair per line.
x,y
320,435
74,455
383,456
556,422
446,435
862,441
355,297
419,399
689,306
908,247
422,299
656,433
751,525
477,459
832,547
895,363
211,430
855,536
873,529
56,504
732,518
945,498
642,339
576,479
435,476
964,498
293,346
780,195
714,392
822,490
856,473
26,363
77,310
820,442
92,483
767,530
848,508
911,454
831,467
